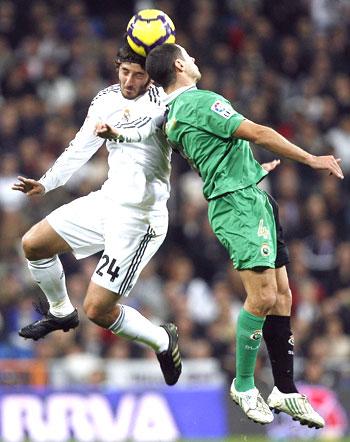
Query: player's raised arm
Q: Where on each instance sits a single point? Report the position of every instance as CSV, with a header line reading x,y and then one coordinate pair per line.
x,y
276,143
28,186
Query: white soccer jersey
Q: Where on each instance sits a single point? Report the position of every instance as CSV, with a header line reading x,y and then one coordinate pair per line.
x,y
139,171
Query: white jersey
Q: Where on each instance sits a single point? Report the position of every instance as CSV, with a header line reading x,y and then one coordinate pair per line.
x,y
139,171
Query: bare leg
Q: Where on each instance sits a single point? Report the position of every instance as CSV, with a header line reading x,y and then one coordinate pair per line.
x,y
283,305
42,241
101,306
261,288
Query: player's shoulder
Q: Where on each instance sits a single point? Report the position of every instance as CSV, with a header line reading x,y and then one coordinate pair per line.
x,y
188,101
205,100
198,95
106,92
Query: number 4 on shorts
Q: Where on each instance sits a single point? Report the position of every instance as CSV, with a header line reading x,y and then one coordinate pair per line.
x,y
263,230
113,272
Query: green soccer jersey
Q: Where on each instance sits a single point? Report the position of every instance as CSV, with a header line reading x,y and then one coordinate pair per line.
x,y
201,125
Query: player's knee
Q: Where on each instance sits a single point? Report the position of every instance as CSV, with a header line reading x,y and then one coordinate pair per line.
x,y
268,296
31,247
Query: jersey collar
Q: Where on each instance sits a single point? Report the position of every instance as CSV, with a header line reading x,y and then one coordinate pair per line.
x,y
171,97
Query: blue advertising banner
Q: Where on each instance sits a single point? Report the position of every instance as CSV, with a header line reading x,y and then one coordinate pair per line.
x,y
160,414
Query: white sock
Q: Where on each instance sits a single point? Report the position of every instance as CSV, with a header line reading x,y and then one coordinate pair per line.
x,y
49,275
131,325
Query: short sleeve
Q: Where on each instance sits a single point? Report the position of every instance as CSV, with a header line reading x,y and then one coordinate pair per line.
x,y
216,115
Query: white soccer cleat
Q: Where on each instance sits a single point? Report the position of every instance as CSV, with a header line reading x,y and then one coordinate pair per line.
x,y
296,405
252,404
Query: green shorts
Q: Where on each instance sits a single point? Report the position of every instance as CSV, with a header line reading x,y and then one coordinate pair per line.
x,y
244,222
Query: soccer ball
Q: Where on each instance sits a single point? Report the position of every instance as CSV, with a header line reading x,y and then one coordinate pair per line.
x,y
149,28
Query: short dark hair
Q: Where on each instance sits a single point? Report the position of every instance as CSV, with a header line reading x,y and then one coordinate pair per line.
x,y
127,55
160,63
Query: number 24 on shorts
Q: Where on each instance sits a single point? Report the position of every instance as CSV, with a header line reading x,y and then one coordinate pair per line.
x,y
112,270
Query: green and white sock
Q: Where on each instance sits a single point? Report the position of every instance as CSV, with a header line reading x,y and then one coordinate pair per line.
x,y
249,334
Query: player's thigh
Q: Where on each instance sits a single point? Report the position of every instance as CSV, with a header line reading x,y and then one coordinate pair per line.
x,y
130,243
244,223
42,241
81,224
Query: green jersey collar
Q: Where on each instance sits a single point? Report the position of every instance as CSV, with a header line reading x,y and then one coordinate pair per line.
x,y
171,97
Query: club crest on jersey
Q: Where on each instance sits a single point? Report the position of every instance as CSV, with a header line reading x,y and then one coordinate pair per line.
x,y
256,335
265,250
291,340
223,109
126,114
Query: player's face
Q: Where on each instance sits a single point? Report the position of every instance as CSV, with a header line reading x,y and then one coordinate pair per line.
x,y
133,80
190,66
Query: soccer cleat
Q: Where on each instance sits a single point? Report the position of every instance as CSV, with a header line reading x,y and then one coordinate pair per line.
x,y
296,405
252,404
170,360
39,329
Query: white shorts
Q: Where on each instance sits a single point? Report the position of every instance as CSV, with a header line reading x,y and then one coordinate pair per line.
x,y
129,237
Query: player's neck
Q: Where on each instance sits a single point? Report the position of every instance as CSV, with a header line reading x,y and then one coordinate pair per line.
x,y
178,85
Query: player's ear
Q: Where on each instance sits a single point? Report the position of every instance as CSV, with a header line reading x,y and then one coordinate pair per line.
x,y
179,64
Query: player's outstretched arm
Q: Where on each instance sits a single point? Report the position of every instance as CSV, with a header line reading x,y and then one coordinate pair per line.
x,y
29,186
276,143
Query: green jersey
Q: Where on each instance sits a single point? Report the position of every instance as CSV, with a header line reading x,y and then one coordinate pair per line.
x,y
201,125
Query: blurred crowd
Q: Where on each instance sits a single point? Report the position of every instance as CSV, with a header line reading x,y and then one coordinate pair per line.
x,y
285,64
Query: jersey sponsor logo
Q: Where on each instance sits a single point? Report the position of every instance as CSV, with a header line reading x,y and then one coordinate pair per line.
x,y
250,348
225,110
256,335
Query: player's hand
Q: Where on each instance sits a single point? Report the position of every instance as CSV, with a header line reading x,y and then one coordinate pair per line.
x,y
327,162
105,131
271,165
28,186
